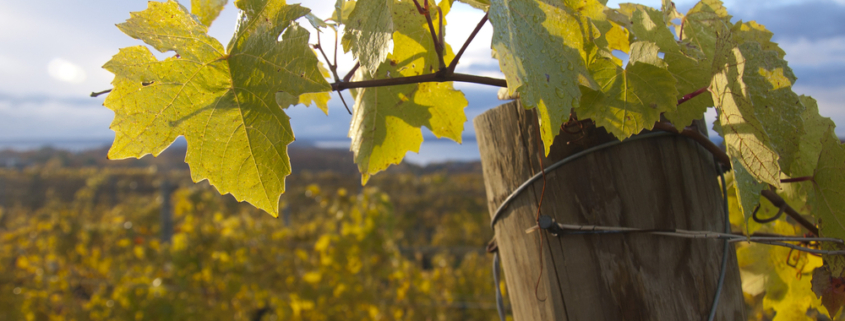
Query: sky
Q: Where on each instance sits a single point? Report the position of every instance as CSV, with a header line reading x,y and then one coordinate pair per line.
x,y
53,52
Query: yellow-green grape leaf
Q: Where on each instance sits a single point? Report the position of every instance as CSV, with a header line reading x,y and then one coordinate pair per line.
x,y
754,32
342,9
386,121
701,27
608,31
630,99
745,137
207,10
316,22
542,57
827,199
369,29
670,13
810,145
222,102
747,191
738,218
785,275
768,83
611,34
829,186
788,289
691,74
321,100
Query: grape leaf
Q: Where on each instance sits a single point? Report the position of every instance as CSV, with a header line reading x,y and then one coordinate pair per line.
x,y
754,32
787,289
207,10
747,191
827,199
321,100
611,34
386,120
529,38
701,27
810,145
768,82
316,22
831,290
369,29
222,102
691,74
816,126
745,136
630,99
829,178
342,9
670,13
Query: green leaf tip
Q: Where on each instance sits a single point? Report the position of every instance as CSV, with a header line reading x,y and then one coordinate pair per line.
x,y
207,10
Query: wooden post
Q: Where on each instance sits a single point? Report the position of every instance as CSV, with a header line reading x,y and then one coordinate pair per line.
x,y
663,182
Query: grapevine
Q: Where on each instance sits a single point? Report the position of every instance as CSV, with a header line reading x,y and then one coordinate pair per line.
x,y
557,57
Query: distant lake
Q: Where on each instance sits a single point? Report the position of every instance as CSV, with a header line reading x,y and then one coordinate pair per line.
x,y
431,151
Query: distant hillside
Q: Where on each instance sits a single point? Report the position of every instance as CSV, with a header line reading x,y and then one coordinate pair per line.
x,y
303,158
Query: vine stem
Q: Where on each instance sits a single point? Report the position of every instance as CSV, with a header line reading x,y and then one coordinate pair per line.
x,y
438,47
777,201
692,95
351,72
332,67
797,179
475,31
435,77
95,94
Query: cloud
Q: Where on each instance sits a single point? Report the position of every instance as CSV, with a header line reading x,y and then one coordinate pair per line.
x,y
812,20
805,52
66,71
53,118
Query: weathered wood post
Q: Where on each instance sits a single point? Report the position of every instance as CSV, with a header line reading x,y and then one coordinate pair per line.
x,y
663,182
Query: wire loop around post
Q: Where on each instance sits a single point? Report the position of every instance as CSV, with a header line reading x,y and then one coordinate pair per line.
x,y
500,211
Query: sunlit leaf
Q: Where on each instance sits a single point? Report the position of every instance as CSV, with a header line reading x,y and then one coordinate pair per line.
x,y
744,134
691,74
386,121
810,145
207,10
369,31
630,99
529,38
829,186
321,100
222,102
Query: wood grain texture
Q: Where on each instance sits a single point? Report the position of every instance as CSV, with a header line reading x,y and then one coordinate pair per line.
x,y
664,182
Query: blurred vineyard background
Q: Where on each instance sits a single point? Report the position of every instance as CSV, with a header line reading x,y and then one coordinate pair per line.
x,y
86,238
